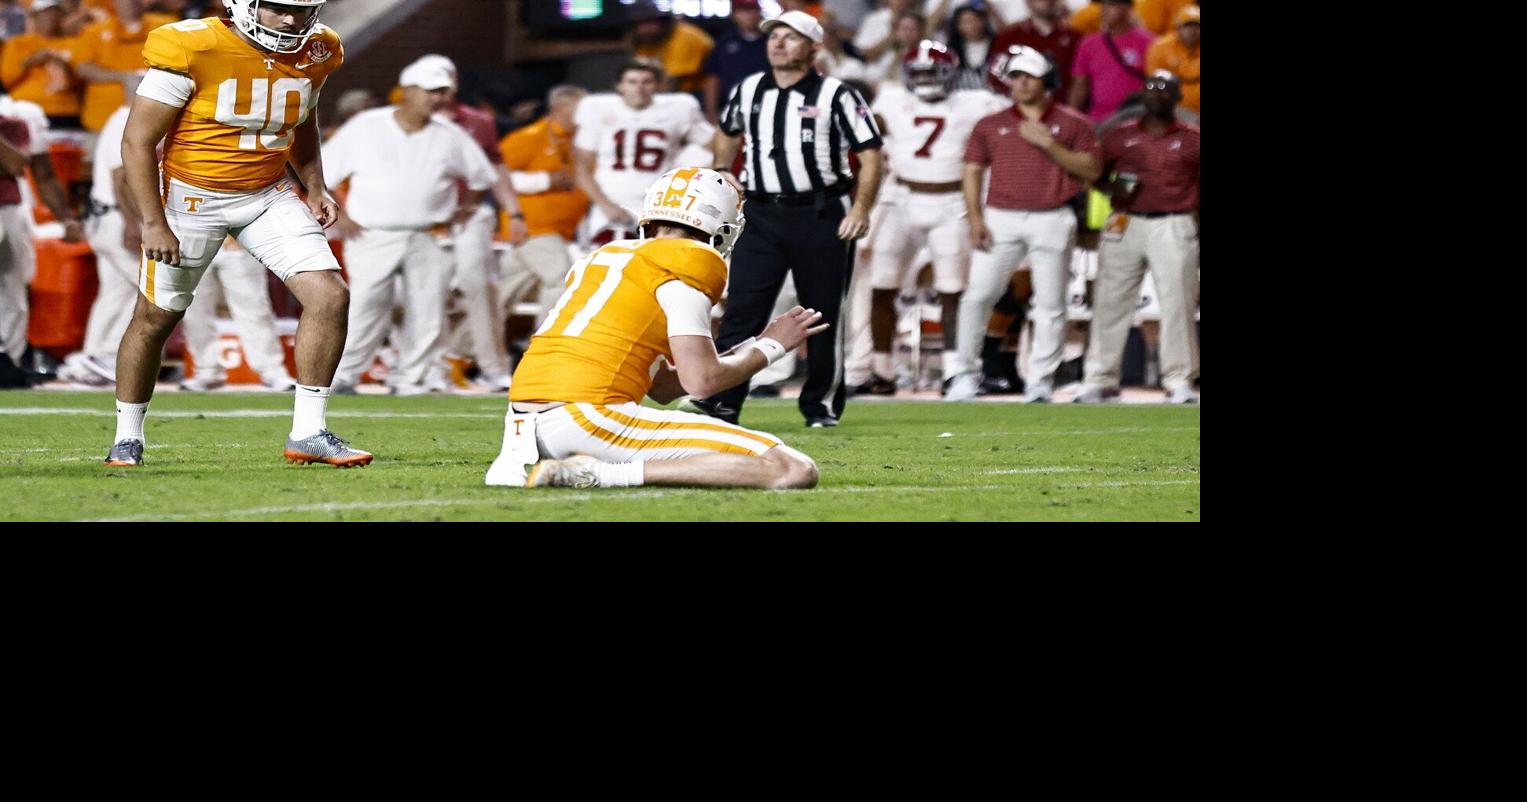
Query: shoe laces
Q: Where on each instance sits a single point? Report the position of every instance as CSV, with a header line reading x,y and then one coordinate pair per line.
x,y
333,440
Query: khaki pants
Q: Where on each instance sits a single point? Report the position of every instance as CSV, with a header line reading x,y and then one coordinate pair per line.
x,y
373,259
481,333
1169,247
535,272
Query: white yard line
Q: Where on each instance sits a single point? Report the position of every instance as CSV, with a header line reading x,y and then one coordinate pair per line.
x,y
529,497
246,413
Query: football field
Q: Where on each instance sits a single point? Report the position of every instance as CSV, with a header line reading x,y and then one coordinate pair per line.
x,y
217,457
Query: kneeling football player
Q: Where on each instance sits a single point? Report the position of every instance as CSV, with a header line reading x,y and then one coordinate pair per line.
x,y
634,321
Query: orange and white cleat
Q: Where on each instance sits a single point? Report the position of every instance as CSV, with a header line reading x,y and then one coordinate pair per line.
x,y
126,454
325,447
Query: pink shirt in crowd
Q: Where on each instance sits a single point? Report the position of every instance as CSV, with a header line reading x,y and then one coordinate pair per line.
x,y
1110,81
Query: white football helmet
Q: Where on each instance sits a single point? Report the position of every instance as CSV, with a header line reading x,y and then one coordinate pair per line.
x,y
930,70
700,198
245,14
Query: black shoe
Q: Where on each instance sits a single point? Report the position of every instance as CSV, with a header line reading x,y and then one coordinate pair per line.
x,y
40,362
877,385
13,377
715,409
1069,372
821,422
764,391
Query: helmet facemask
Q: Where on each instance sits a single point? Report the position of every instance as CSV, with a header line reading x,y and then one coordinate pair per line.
x,y
930,81
245,15
725,238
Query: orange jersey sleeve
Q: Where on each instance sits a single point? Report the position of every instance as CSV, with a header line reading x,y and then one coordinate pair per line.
x,y
689,261
237,127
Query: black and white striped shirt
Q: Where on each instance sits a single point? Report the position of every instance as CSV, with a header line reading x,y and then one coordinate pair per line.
x,y
798,139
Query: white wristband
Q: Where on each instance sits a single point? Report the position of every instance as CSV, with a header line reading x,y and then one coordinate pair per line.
x,y
770,348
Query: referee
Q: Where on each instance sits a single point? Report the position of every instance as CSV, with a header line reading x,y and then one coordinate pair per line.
x,y
800,127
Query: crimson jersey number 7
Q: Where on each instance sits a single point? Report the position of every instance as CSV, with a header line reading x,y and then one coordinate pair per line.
x,y
938,128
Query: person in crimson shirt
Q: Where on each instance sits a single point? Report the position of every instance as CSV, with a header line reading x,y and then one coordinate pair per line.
x,y
1040,154
1047,31
1154,162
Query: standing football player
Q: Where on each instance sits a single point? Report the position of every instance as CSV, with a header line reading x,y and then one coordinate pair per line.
x,y
234,101
926,124
626,140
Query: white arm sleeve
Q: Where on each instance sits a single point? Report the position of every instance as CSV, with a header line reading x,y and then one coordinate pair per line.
x,y
108,146
687,308
337,155
530,183
171,89
587,135
476,168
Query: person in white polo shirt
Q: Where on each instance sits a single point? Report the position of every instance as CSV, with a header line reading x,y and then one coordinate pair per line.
x,y
115,231
402,164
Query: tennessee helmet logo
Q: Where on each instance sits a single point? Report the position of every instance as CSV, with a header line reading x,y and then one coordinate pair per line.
x,y
319,52
678,189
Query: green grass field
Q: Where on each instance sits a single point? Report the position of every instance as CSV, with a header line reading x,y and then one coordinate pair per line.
x,y
217,457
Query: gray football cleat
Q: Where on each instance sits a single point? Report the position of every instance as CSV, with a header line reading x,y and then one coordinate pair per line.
x,y
125,454
325,447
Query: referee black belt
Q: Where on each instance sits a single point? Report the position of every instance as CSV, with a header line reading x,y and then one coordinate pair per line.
x,y
798,198
1154,214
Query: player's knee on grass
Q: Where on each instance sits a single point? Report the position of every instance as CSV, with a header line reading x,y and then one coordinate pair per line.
x,y
792,469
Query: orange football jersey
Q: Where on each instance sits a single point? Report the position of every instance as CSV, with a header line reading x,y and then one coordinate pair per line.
x,y
600,342
235,131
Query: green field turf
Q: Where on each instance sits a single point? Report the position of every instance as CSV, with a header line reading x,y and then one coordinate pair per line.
x,y
217,457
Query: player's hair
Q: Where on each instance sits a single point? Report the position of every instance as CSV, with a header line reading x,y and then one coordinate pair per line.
x,y
650,65
562,92
651,227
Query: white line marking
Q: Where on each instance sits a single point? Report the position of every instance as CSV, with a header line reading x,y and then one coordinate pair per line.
x,y
244,413
530,497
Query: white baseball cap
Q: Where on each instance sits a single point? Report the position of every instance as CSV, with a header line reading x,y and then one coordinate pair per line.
x,y
427,75
444,61
798,21
1021,58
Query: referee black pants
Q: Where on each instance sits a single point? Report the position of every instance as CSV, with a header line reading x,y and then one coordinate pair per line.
x,y
803,241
